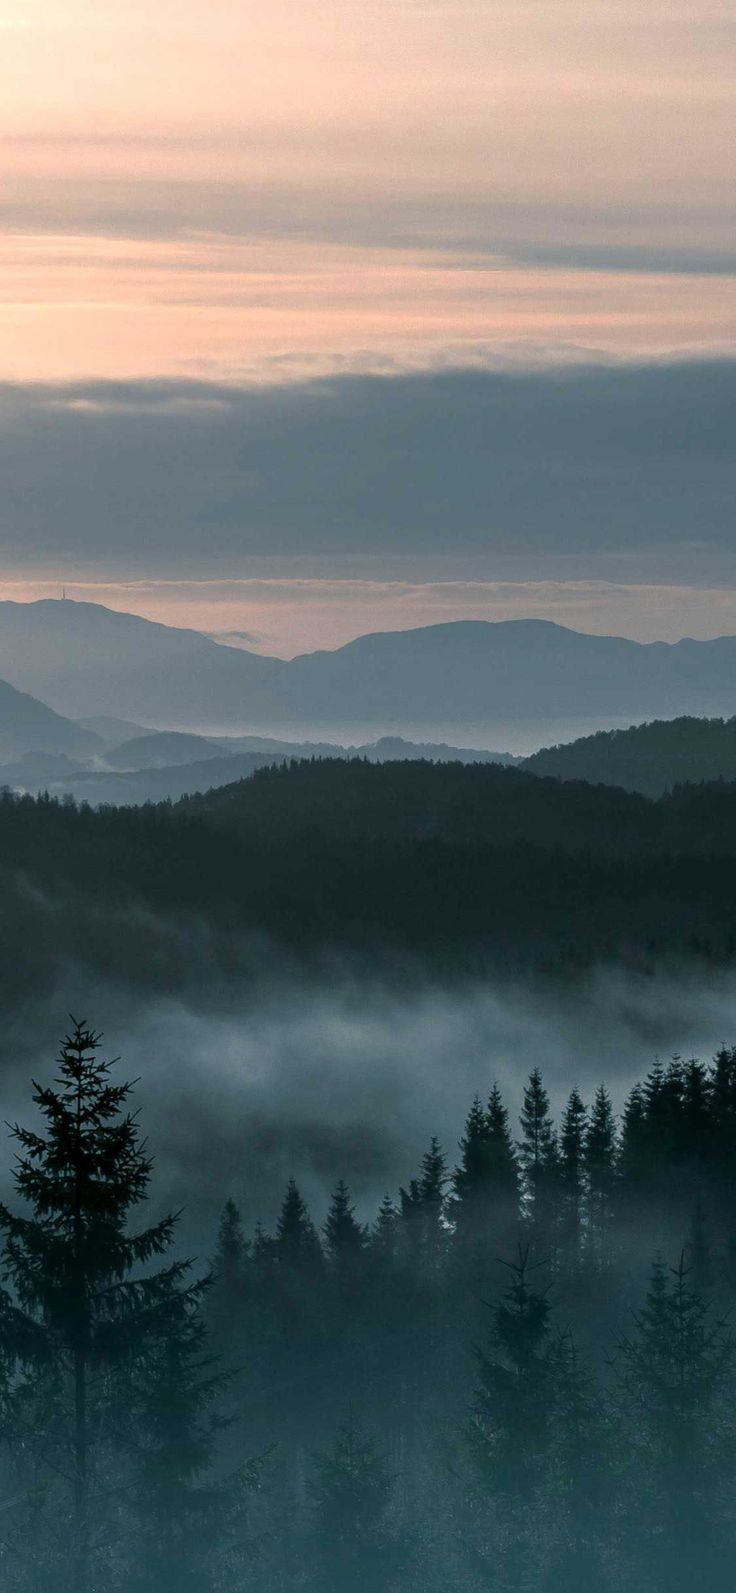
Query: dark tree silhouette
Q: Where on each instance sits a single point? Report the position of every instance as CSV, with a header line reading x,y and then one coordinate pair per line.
x,y
81,1306
540,1162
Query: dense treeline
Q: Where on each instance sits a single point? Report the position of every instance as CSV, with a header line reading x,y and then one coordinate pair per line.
x,y
519,1374
651,758
473,868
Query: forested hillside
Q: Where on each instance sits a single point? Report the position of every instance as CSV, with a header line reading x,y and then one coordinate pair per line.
x,y
651,758
519,1373
470,867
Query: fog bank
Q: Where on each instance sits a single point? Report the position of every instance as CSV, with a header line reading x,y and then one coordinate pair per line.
x,y
348,1078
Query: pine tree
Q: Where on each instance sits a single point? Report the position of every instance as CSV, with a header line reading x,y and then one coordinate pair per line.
x,y
676,1376
228,1265
422,1211
509,1433
572,1181
723,1164
469,1178
384,1236
432,1181
350,1493
297,1246
503,1163
345,1237
229,1292
80,1309
185,1515
581,1473
600,1171
539,1156
486,1183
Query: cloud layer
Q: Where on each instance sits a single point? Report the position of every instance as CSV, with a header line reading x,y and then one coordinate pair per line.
x,y
146,478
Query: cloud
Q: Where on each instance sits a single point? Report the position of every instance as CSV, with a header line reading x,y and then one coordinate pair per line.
x,y
191,478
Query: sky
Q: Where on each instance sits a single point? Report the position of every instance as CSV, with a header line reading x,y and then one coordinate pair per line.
x,y
324,316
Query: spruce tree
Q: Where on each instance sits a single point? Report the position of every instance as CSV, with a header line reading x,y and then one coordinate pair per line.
x,y
297,1248
422,1212
81,1308
345,1237
384,1235
677,1387
228,1296
503,1164
229,1260
572,1181
600,1171
486,1183
509,1433
539,1157
432,1181
185,1514
350,1492
581,1475
468,1180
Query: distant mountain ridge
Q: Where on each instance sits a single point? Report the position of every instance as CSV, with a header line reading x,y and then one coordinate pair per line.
x,y
148,768
88,660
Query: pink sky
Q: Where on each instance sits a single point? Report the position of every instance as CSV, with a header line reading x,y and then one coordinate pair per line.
x,y
263,190
281,616
273,186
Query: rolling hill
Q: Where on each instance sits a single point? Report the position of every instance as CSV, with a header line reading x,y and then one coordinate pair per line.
x,y
473,866
650,758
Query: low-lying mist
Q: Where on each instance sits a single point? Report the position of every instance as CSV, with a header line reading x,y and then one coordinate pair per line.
x,y
347,1075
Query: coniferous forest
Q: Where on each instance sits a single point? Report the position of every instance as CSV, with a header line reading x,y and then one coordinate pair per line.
x,y
518,1373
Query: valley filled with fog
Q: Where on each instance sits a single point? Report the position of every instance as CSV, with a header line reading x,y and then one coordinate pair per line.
x,y
431,1046
348,1075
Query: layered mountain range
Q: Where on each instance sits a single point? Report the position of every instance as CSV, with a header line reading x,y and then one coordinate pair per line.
x,y
82,655
86,660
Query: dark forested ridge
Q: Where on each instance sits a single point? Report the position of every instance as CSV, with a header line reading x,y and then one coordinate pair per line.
x,y
651,758
483,863
518,1373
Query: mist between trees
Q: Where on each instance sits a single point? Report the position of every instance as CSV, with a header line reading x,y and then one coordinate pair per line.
x,y
519,1374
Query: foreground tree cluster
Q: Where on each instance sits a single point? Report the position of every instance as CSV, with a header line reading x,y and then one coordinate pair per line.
x,y
520,1376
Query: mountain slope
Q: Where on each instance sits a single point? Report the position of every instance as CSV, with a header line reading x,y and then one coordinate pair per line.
x,y
88,660
161,749
650,758
476,866
28,726
85,659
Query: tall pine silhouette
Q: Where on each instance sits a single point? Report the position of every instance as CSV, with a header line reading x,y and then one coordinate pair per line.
x,y
83,1307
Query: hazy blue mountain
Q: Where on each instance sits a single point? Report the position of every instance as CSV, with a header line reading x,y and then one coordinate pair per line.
x,y
85,659
88,660
392,749
28,726
386,749
157,779
112,730
135,786
651,758
477,671
161,749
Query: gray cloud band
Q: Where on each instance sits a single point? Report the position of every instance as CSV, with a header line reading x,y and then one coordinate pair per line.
x,y
554,463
